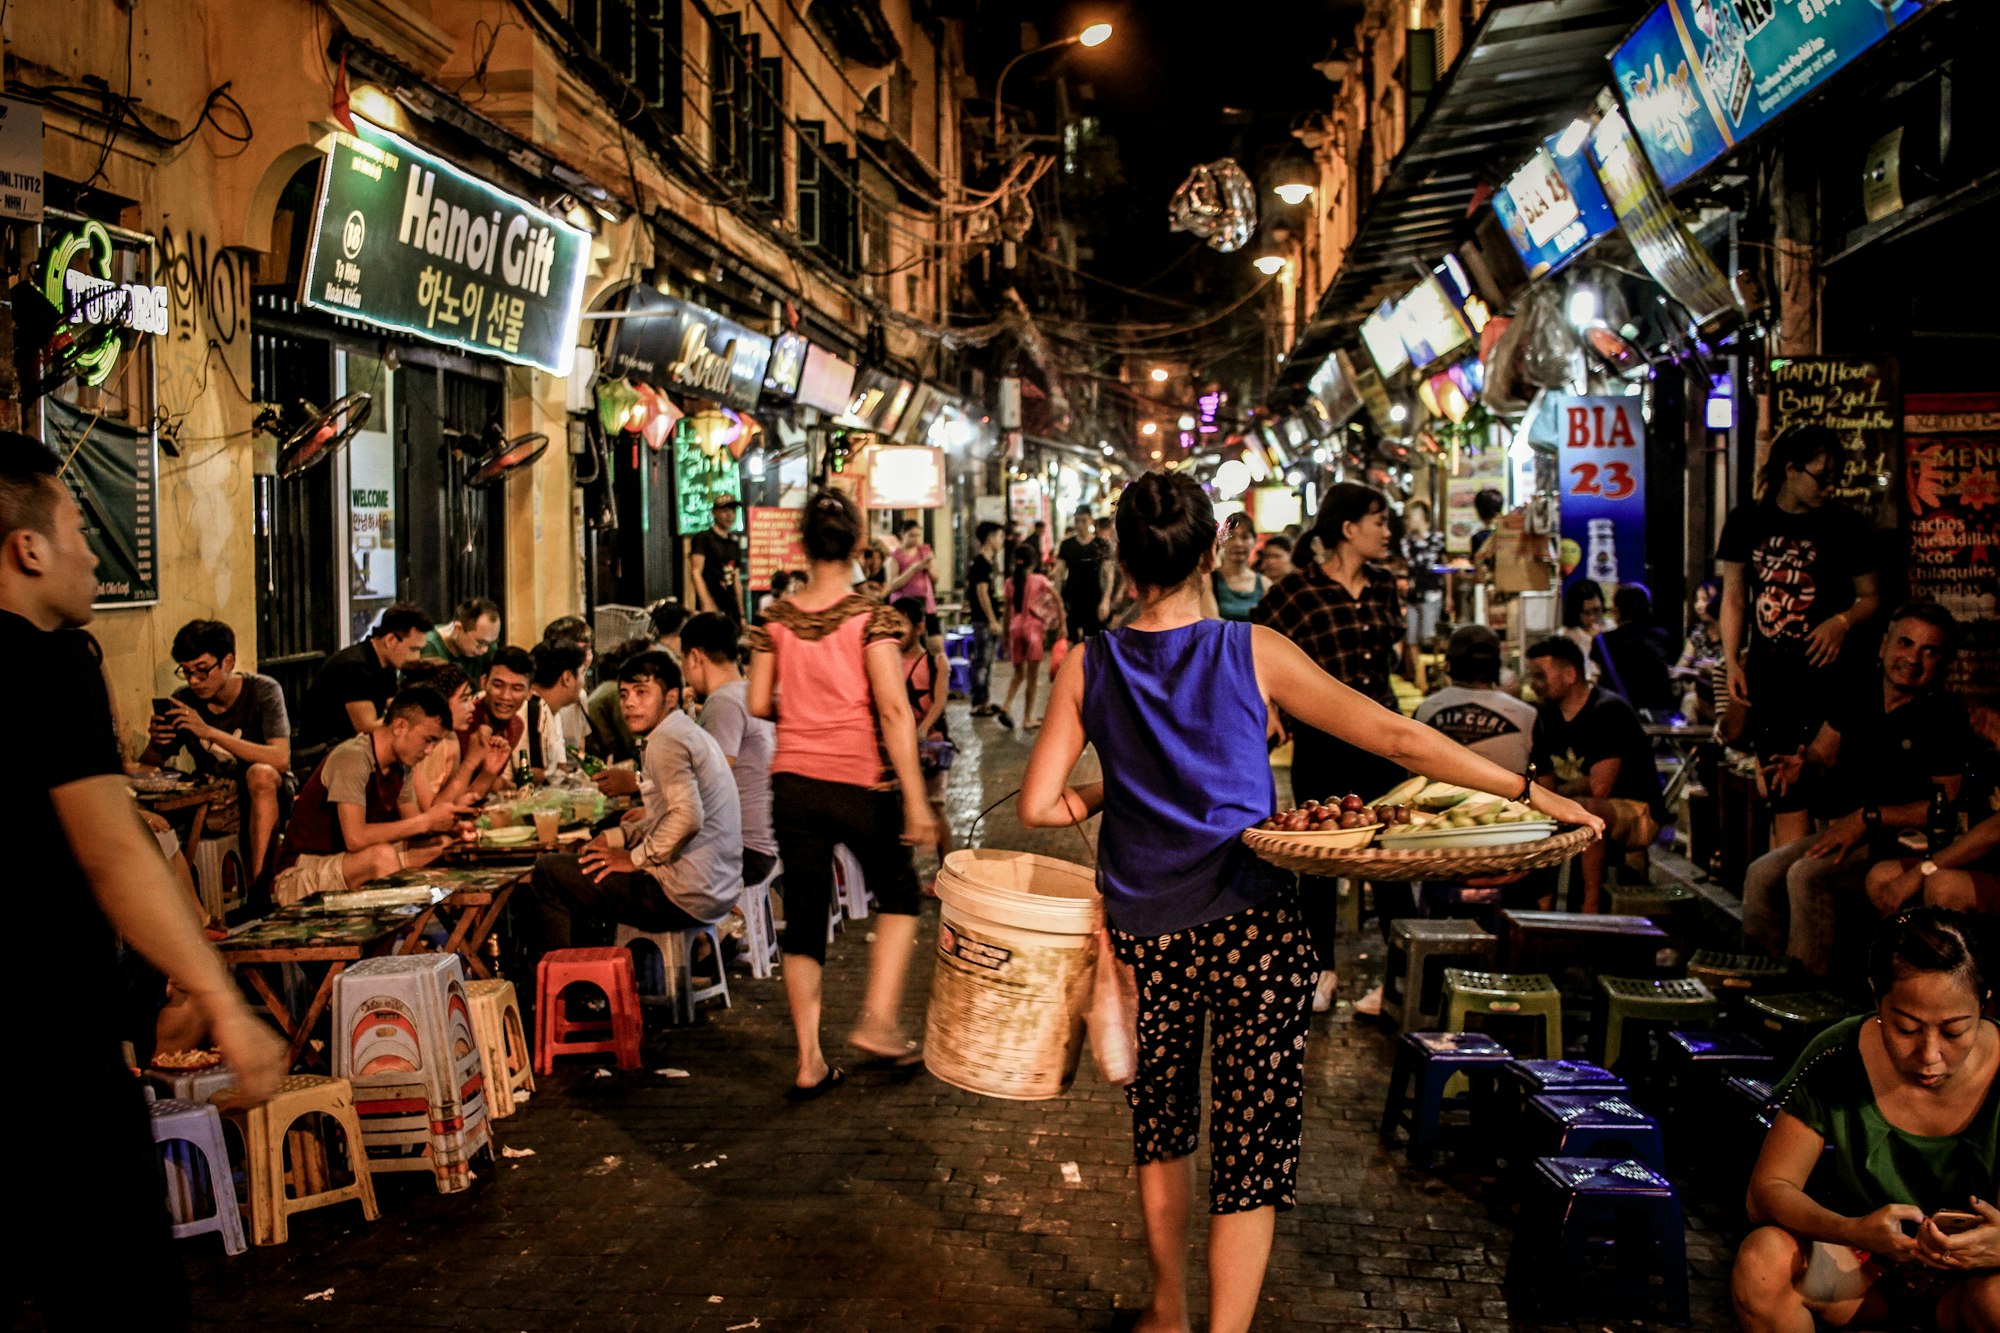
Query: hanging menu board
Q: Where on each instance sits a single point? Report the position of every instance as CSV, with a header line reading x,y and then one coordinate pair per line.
x,y
1951,465
1859,398
774,543
109,468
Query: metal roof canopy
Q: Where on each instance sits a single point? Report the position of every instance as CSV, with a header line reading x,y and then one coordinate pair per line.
x,y
1529,68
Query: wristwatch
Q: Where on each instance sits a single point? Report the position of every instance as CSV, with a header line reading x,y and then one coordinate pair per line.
x,y
1927,867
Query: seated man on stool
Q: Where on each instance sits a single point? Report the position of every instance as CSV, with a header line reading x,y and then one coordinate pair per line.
x,y
1591,746
359,806
1882,751
675,864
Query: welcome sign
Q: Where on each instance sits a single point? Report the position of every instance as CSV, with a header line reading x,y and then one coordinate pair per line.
x,y
408,242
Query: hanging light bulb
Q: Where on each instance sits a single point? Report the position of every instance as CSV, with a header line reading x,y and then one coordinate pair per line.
x,y
753,465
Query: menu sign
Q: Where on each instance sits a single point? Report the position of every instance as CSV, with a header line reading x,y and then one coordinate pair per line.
x,y
111,473
1951,462
1857,398
774,543
1682,268
1700,76
1552,208
409,242
677,344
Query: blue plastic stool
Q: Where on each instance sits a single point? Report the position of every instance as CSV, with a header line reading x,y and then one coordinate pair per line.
x,y
1535,1077
189,1136
1597,1124
1425,1063
1592,1205
1693,1066
961,676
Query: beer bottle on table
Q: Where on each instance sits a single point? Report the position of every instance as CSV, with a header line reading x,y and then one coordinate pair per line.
x,y
1940,821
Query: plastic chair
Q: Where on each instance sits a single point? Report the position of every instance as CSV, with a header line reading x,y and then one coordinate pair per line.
x,y
608,969
674,950
503,1043
1530,996
1426,1062
1587,1205
1626,999
1420,948
189,1136
265,1128
760,927
849,886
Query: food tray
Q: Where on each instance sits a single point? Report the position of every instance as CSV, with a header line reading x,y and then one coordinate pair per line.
x,y
1479,835
1310,856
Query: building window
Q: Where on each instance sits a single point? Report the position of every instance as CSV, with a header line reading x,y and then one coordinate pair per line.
x,y
641,40
825,187
767,146
732,91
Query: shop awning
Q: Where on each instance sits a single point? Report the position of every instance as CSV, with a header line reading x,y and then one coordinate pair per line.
x,y
1529,67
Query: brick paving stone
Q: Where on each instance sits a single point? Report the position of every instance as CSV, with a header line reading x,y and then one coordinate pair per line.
x,y
897,1203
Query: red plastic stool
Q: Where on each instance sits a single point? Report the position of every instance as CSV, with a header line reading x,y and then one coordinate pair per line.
x,y
608,969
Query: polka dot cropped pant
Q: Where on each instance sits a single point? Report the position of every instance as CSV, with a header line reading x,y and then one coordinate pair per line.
x,y
1249,978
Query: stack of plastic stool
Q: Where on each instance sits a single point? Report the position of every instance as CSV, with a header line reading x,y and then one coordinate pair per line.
x,y
608,969
190,1085
1789,1022
1425,1063
1734,977
266,1127
673,953
1420,948
1598,1204
1693,1066
760,926
403,1036
1597,1124
849,885
1522,1079
189,1136
503,1044
1680,1001
1513,995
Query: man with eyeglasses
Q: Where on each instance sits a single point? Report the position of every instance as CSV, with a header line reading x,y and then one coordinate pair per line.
x,y
1798,573
232,724
469,640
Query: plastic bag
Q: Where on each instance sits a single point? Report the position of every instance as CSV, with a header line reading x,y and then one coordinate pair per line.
x,y
1113,1020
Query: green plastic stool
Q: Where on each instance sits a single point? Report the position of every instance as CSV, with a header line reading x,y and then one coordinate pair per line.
x,y
1738,974
1684,1002
1648,900
1797,1019
1530,995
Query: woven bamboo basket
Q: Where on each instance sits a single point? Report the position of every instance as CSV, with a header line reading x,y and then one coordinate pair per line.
x,y
1307,858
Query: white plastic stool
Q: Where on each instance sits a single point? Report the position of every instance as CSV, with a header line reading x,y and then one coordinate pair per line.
x,y
677,969
218,867
184,1130
760,931
848,885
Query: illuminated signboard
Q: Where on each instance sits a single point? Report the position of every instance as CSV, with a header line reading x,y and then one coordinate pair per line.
x,y
827,382
1553,207
1384,343
409,242
1429,323
1700,76
905,476
787,364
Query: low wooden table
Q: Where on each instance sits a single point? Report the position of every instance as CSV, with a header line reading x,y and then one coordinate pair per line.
x,y
475,897
190,801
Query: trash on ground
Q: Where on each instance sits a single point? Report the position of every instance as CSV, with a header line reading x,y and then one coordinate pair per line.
x,y
511,1151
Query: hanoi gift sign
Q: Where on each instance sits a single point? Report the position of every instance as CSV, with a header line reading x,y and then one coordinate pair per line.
x,y
409,242
1602,459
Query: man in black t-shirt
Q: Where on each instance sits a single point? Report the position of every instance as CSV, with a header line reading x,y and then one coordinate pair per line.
x,y
713,560
355,684
983,597
1590,745
1083,574
1882,753
1798,573
90,873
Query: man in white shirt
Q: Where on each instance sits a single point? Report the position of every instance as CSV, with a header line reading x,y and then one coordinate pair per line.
x,y
675,864
556,684
1473,710
712,661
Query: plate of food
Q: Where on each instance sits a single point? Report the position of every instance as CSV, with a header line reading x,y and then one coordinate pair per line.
x,y
1469,835
188,1061
513,835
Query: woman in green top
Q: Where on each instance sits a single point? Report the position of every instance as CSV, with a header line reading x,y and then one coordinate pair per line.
x,y
1909,1101
1235,585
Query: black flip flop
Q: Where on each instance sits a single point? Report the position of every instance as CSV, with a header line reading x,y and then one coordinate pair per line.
x,y
835,1076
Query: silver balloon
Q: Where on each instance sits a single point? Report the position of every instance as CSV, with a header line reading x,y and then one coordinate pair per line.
x,y
1218,203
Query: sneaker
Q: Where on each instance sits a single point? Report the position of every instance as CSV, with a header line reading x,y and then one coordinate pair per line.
x,y
1005,721
1370,1005
1329,982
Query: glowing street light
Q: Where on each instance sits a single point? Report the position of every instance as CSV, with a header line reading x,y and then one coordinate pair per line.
x,y
1150,428
1268,265
1097,34
1294,192
1159,374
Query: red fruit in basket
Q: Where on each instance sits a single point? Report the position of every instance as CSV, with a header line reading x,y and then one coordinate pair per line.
x,y
1351,802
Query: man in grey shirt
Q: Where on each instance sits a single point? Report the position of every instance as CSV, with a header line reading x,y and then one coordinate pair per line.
x,y
712,660
673,865
1473,710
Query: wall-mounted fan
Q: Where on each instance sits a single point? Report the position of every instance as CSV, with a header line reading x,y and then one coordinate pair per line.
x,y
504,456
322,433
51,351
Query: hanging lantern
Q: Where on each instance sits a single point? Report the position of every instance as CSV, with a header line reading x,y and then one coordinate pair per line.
x,y
716,429
616,400
660,415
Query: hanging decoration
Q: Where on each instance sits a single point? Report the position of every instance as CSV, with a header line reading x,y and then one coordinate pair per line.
x,y
1218,203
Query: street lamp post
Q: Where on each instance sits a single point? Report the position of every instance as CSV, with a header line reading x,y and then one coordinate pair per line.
x,y
1095,35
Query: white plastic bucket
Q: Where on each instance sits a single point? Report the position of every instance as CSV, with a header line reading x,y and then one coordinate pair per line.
x,y
1015,962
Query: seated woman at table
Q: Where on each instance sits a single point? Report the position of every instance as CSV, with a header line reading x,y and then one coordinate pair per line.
x,y
448,773
1898,1225
359,806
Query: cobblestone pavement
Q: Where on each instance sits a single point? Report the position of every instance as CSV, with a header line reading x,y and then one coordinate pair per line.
x,y
897,1203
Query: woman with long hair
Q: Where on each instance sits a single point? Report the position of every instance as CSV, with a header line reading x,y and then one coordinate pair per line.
x,y
1215,937
1033,610
827,667
1342,610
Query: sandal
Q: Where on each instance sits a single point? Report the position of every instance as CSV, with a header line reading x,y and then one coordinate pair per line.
x,y
835,1076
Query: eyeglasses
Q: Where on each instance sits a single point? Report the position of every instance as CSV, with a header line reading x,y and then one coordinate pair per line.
x,y
1819,477
195,675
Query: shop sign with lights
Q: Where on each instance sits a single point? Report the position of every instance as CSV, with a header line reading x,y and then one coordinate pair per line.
x,y
827,382
1700,76
1554,207
787,365
408,242
878,404
675,344
77,280
905,476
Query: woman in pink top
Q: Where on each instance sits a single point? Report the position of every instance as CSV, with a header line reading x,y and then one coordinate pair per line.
x,y
1033,609
827,667
912,590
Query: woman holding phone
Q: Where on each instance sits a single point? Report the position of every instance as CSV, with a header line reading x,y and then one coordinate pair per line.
x,y
1900,1227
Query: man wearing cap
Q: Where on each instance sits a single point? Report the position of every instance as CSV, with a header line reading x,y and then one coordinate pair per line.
x,y
1473,710
714,557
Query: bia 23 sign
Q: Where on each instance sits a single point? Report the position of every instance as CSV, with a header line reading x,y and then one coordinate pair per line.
x,y
409,242
1602,461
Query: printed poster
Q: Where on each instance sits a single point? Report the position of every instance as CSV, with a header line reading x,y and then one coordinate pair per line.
x,y
1601,458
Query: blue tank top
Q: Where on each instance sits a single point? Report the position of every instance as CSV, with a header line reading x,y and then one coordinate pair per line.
x,y
1178,723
